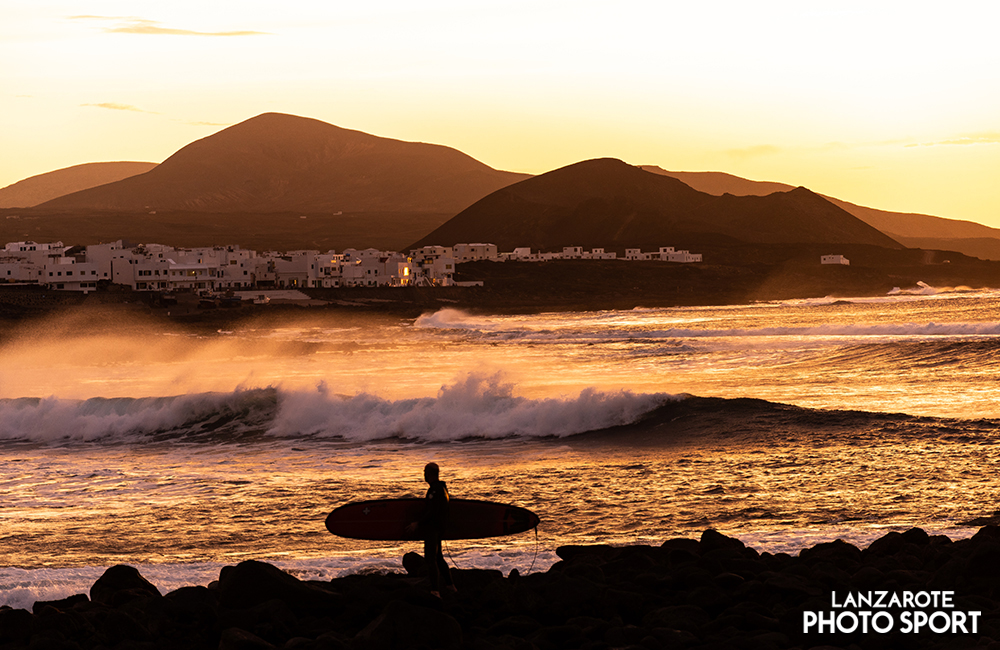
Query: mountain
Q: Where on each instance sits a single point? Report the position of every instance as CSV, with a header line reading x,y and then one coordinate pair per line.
x,y
284,163
44,187
912,230
611,204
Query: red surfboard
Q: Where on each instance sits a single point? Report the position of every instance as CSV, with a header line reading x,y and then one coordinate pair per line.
x,y
387,519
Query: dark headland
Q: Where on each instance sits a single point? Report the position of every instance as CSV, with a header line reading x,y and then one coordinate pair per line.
x,y
714,592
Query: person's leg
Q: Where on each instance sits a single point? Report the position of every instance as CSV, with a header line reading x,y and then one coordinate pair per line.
x,y
432,551
445,573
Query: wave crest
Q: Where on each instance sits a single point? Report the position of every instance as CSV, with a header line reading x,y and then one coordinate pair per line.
x,y
475,406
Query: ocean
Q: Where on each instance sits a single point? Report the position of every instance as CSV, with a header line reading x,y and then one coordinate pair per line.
x,y
784,424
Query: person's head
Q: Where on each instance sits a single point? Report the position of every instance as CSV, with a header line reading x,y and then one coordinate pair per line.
x,y
431,472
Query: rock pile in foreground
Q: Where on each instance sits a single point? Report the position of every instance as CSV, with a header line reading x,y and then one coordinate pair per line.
x,y
710,593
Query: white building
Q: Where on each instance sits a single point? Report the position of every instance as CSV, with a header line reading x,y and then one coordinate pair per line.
x,y
67,274
474,252
33,251
684,257
434,265
834,259
375,268
600,254
15,270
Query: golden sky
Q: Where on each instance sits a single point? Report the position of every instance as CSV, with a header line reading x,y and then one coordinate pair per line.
x,y
893,105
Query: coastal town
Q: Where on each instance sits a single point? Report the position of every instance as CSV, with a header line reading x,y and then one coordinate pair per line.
x,y
162,268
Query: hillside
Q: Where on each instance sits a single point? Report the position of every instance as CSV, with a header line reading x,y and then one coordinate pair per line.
x,y
913,230
608,203
50,185
283,163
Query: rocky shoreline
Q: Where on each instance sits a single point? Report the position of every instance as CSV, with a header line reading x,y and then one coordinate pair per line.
x,y
908,590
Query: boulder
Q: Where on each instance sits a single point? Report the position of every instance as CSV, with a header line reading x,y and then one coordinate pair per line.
x,y
402,625
837,552
121,584
236,639
15,624
712,540
251,583
62,605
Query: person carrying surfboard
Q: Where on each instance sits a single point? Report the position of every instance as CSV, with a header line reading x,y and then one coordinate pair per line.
x,y
431,528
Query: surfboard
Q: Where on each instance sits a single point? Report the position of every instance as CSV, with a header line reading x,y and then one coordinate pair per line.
x,y
387,519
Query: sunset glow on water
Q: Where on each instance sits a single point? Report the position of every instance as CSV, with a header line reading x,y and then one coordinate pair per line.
x,y
183,452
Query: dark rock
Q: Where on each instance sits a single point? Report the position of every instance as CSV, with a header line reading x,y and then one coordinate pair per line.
x,y
791,584
837,552
328,641
987,533
120,584
711,598
712,540
677,557
506,642
681,544
520,626
677,617
586,571
558,637
669,638
403,625
712,593
236,639
624,635
114,626
591,626
474,579
867,577
61,605
916,536
630,606
50,621
596,554
252,583
15,624
273,620
414,564
888,544
728,580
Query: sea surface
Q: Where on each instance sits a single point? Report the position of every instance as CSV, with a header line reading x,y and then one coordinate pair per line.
x,y
784,424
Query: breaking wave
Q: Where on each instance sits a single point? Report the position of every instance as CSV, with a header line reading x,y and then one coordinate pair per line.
x,y
455,320
476,406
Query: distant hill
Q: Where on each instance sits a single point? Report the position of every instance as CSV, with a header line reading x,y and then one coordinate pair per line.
x,y
912,230
50,185
283,163
608,203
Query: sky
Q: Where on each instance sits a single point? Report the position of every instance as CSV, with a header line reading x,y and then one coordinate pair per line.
x,y
892,105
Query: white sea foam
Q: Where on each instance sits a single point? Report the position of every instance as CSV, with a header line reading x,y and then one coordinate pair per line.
x,y
451,319
654,325
478,406
475,406
52,419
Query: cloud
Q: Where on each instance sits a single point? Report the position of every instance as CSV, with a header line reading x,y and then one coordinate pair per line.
x,y
754,152
119,107
132,25
990,137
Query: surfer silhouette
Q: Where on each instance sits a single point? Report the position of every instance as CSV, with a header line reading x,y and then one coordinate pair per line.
x,y
431,528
